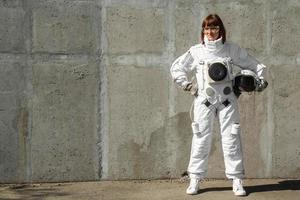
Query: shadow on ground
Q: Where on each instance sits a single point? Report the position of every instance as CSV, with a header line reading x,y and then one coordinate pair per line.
x,y
29,192
280,186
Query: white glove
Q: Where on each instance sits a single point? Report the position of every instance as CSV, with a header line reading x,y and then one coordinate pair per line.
x,y
262,84
191,87
188,86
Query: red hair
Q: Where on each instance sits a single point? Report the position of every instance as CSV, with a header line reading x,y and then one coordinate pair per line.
x,y
213,20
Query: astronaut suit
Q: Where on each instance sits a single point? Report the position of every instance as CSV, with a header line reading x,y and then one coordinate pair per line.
x,y
212,64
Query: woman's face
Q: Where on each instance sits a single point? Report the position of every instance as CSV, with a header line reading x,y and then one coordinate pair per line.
x,y
211,32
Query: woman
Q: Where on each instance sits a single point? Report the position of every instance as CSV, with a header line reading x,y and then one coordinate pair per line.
x,y
212,61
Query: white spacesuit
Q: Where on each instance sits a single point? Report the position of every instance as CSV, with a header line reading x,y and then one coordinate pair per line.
x,y
212,65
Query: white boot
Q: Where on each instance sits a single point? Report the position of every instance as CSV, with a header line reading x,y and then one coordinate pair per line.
x,y
193,187
237,187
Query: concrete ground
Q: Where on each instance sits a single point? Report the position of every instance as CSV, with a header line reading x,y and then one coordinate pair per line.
x,y
258,189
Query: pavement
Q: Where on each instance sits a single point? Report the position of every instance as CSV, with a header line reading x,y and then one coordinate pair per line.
x,y
257,189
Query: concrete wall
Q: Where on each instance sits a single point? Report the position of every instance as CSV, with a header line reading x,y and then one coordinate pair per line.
x,y
50,76
86,92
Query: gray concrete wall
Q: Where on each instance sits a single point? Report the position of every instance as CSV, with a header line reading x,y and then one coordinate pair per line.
x,y
86,92
49,59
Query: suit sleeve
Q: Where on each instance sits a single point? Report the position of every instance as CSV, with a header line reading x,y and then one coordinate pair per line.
x,y
180,68
244,60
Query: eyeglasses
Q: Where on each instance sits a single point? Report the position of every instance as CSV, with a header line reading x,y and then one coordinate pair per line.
x,y
213,29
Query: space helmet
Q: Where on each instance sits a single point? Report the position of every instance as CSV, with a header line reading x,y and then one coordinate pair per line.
x,y
245,81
